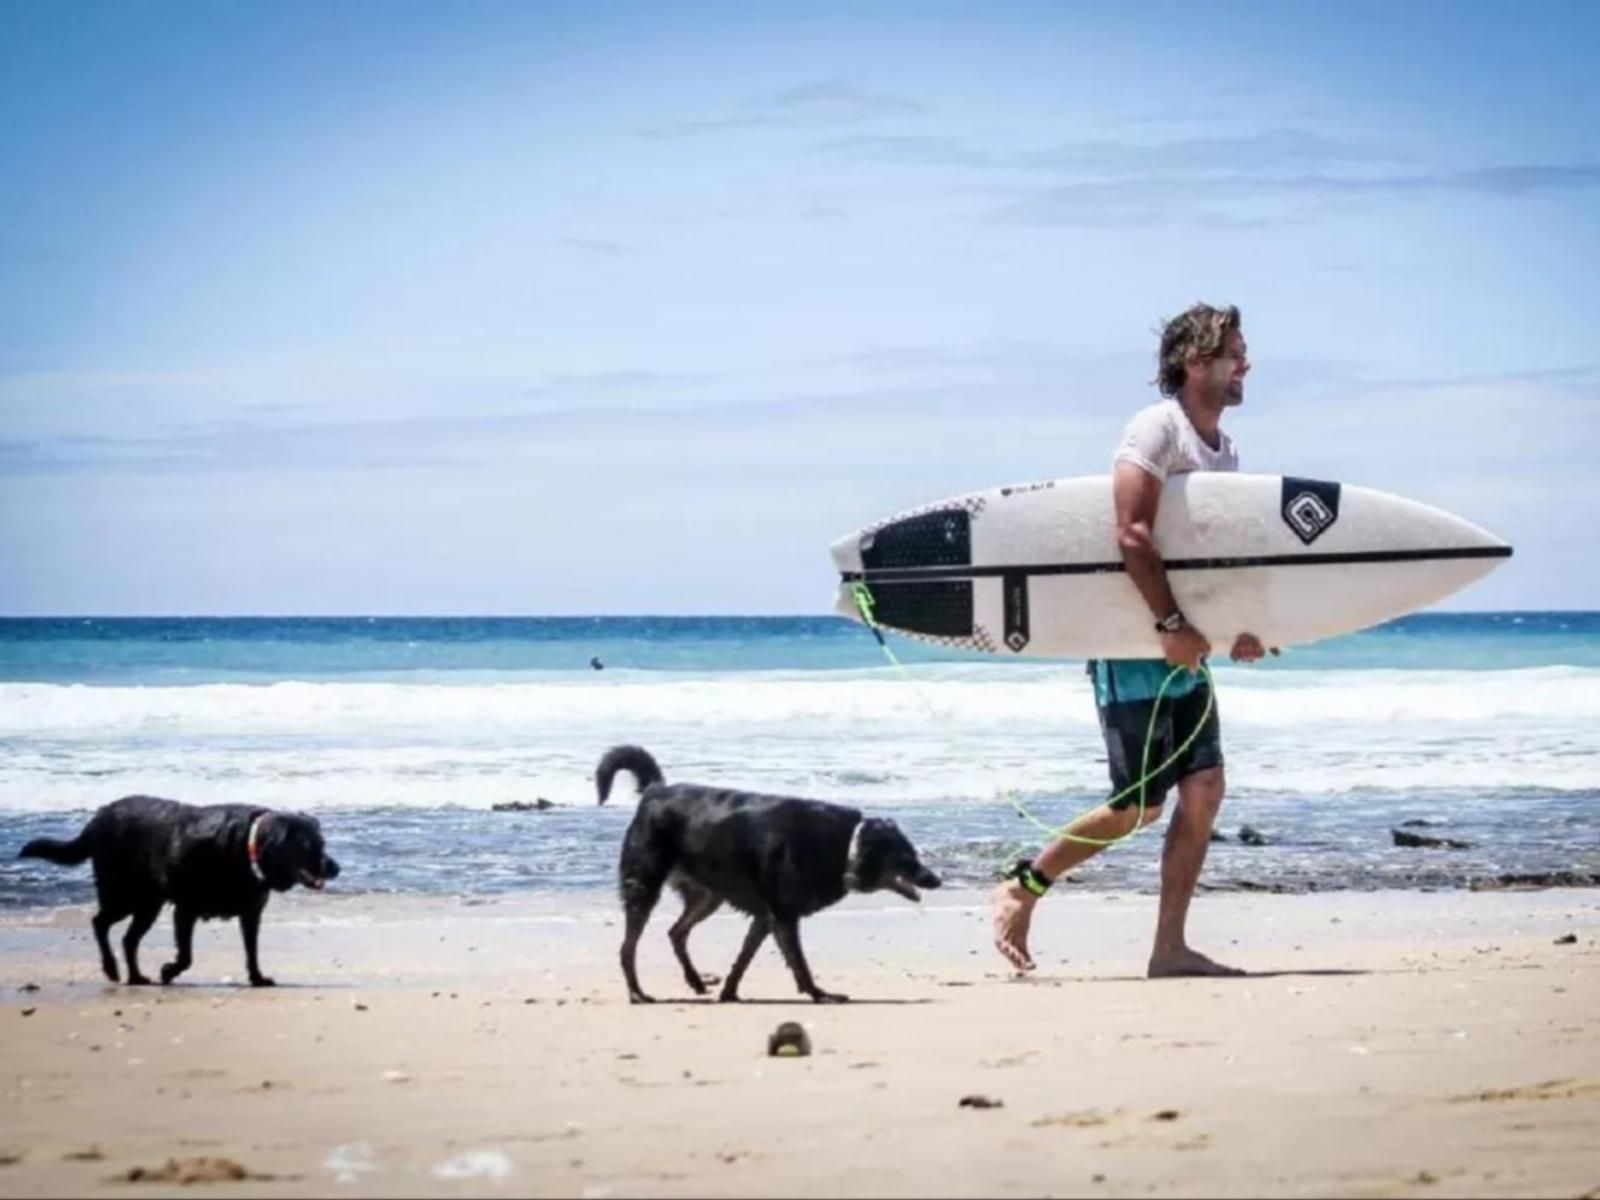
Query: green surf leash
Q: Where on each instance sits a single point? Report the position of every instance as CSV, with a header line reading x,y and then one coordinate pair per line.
x,y
862,595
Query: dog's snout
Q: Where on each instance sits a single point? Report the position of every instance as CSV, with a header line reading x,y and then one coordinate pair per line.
x,y
927,879
330,869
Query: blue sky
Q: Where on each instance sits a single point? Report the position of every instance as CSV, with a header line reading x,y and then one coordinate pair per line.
x,y
549,308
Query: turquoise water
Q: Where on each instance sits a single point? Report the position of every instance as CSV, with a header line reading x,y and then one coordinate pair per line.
x,y
165,650
403,733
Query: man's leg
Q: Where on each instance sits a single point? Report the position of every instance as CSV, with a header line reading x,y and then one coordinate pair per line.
x,y
1011,904
1188,839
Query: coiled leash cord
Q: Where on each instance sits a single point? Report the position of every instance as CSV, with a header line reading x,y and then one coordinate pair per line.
x,y
864,605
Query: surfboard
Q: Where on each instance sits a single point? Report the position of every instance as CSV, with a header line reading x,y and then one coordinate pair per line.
x,y
1035,569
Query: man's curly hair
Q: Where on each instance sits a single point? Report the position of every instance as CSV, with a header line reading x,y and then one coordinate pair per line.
x,y
1200,329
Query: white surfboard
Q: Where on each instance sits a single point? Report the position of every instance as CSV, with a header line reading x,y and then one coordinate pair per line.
x,y
1035,570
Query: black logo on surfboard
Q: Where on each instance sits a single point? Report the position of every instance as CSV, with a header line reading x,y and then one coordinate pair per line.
x,y
1310,507
1014,601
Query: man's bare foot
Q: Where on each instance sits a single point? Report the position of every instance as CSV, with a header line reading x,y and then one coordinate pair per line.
x,y
1171,964
1011,909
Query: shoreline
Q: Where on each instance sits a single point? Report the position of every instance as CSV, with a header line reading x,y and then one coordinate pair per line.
x,y
1385,1044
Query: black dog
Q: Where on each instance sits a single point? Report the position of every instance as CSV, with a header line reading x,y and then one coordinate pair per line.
x,y
776,858
221,860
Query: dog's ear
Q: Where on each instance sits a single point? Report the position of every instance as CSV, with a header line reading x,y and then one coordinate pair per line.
x,y
271,837
882,830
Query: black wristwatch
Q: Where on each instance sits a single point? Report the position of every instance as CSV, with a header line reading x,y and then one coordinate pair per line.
x,y
1172,622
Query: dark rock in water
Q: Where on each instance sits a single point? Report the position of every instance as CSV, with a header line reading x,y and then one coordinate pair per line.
x,y
538,805
1424,842
1218,836
1417,823
1537,879
1249,835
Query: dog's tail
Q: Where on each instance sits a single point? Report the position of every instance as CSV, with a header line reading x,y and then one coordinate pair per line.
x,y
626,758
65,854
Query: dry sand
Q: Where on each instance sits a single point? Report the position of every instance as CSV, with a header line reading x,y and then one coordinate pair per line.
x,y
1394,1044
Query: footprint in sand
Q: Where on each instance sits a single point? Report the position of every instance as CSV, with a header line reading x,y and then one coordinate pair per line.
x,y
1553,1089
1085,1119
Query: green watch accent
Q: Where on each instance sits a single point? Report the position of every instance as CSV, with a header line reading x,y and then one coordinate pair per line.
x,y
1025,874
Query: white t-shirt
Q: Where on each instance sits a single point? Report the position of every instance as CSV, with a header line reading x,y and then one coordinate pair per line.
x,y
1159,439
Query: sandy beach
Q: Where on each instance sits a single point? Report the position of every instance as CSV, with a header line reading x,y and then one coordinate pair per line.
x,y
1385,1044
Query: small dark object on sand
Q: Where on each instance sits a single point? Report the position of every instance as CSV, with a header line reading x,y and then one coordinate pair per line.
x,y
789,1040
977,1101
597,664
1567,939
190,1170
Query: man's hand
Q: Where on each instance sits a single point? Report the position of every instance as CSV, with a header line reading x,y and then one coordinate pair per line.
x,y
1185,647
1247,647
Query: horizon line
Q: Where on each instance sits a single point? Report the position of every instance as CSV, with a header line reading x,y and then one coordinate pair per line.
x,y
630,616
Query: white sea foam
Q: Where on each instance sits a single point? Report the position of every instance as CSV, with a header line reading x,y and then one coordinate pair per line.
x,y
971,696
949,731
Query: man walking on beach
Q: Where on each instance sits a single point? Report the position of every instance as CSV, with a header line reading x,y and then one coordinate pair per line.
x,y
1202,369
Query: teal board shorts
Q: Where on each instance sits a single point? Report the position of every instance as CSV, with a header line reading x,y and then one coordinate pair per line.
x,y
1125,692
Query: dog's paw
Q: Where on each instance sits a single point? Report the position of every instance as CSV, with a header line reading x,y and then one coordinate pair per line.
x,y
169,972
111,971
262,981
727,997
138,980
640,998
822,997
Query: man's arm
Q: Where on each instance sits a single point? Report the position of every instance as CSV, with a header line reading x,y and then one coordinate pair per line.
x,y
1137,494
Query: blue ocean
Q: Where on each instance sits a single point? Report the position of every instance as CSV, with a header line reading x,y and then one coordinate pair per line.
x,y
403,734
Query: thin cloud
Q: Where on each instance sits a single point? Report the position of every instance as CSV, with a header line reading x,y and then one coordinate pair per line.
x,y
825,213
599,247
575,387
1579,380
841,100
824,104
916,150
1179,199
1274,150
